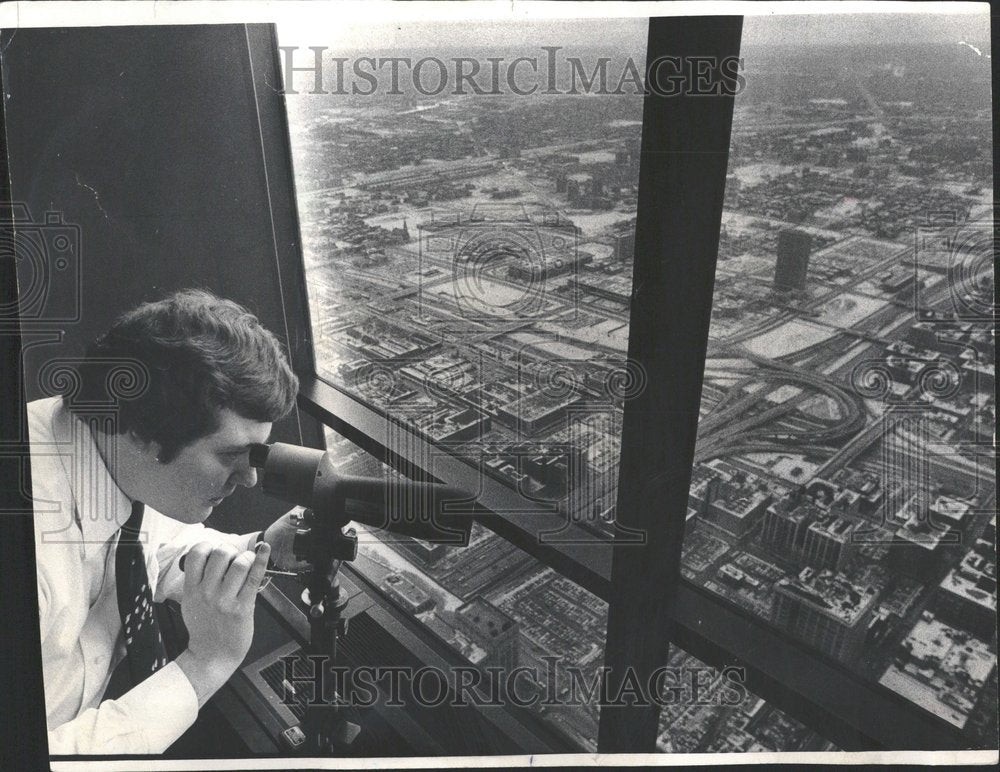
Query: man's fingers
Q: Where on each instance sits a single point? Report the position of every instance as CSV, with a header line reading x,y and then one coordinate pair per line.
x,y
237,574
256,574
218,563
194,564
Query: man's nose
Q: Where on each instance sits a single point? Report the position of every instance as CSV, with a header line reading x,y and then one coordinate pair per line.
x,y
247,476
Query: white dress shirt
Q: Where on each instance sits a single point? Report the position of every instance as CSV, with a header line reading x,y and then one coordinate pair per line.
x,y
78,509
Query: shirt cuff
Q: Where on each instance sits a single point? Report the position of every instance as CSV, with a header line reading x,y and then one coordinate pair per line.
x,y
164,706
244,541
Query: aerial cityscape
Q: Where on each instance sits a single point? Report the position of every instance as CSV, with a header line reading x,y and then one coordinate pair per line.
x,y
469,265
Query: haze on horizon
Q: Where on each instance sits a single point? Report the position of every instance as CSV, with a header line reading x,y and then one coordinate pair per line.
x,y
875,29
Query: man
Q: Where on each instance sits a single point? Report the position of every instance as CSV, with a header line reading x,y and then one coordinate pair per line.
x,y
120,489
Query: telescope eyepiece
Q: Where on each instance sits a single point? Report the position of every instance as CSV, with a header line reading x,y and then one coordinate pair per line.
x,y
258,454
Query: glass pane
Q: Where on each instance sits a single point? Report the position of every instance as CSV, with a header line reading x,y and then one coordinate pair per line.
x,y
844,483
467,198
558,637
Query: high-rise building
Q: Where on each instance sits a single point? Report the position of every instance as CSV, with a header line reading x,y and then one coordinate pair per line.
x,y
785,525
354,371
632,147
792,265
736,502
828,542
868,488
406,593
578,187
951,514
624,245
492,630
928,536
967,596
701,475
428,554
826,610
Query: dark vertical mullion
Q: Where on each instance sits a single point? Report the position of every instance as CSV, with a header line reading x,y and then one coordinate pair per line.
x,y
275,147
24,744
685,146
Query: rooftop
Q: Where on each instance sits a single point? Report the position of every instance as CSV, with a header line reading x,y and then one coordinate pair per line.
x,y
739,492
796,512
862,482
486,618
975,578
941,668
830,593
921,521
405,590
951,508
834,526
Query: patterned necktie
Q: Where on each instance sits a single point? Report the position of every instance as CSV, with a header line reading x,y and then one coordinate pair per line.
x,y
143,643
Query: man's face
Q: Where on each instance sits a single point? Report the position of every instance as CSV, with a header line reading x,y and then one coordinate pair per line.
x,y
206,471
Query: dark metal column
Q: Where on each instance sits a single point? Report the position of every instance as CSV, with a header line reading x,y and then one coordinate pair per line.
x,y
685,146
24,744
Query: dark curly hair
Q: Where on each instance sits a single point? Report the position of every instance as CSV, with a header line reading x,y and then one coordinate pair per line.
x,y
191,354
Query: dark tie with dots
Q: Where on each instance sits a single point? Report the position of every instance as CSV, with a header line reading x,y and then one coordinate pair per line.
x,y
143,642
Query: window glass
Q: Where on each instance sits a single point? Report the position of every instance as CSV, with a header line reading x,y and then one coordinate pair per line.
x,y
467,198
844,484
468,253
467,203
556,634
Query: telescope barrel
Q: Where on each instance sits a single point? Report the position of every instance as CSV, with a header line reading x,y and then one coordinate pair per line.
x,y
289,472
433,512
306,476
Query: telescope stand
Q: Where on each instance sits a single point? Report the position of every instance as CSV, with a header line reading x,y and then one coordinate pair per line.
x,y
325,724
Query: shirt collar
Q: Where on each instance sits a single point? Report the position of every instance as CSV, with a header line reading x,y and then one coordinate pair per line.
x,y
101,506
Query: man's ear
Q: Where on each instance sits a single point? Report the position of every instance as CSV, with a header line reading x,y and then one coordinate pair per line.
x,y
148,448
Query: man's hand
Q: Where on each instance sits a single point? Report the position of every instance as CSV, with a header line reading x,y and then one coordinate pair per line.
x,y
280,535
220,589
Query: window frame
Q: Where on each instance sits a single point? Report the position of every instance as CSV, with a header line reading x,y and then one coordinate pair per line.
x,y
841,706
19,609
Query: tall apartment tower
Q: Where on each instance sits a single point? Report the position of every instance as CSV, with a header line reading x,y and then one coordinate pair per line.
x,y
493,630
792,265
826,610
785,526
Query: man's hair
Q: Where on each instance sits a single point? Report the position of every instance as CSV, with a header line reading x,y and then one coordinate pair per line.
x,y
191,354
